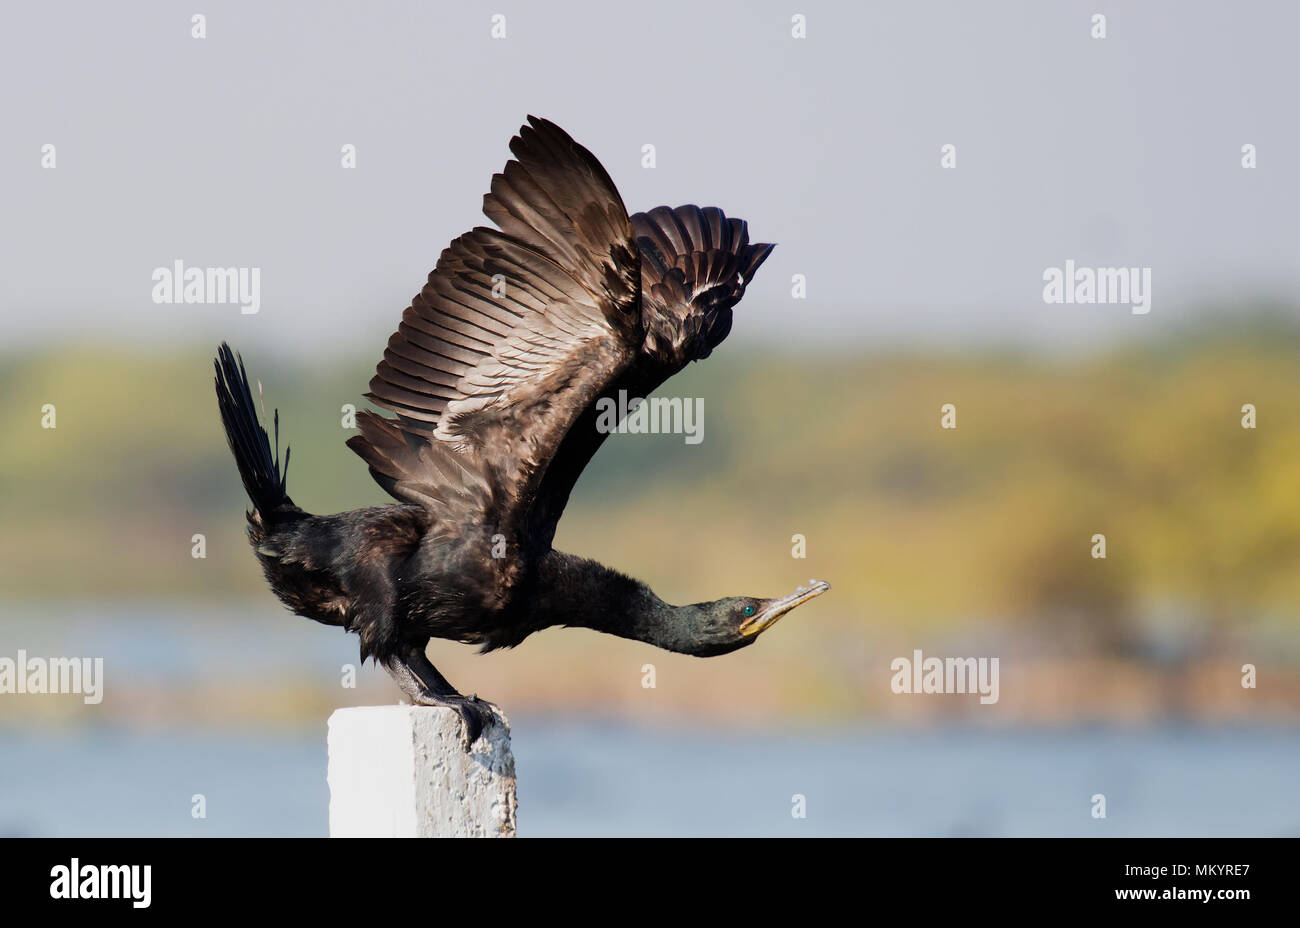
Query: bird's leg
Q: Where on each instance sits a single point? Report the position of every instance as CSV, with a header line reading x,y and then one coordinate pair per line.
x,y
425,686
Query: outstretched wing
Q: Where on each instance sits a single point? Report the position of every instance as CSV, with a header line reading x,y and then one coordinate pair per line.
x,y
695,265
514,336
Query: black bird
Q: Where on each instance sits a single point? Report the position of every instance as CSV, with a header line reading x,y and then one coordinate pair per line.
x,y
494,374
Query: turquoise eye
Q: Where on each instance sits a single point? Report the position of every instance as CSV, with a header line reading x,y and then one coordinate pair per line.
x,y
749,610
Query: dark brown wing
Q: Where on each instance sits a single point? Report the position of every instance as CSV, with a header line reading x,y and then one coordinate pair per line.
x,y
514,336
695,266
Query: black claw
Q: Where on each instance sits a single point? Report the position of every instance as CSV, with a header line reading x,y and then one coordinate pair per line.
x,y
475,714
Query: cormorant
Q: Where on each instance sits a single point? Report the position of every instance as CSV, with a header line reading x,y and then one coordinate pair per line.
x,y
495,374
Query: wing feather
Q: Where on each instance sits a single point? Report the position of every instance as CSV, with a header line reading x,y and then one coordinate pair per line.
x,y
496,366
511,339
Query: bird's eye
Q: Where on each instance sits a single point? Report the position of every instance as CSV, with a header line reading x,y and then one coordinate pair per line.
x,y
749,610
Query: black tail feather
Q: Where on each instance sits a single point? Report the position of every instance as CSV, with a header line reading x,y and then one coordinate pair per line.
x,y
263,477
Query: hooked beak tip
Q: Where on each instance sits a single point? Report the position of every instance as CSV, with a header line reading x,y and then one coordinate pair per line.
x,y
779,607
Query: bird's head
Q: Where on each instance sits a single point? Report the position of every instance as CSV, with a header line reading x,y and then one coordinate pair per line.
x,y
726,625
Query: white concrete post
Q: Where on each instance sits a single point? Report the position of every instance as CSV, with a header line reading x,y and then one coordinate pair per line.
x,y
401,772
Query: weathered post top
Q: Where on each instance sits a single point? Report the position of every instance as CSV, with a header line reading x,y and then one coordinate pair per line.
x,y
403,772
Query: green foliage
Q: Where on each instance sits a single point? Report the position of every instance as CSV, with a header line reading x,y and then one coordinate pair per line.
x,y
910,522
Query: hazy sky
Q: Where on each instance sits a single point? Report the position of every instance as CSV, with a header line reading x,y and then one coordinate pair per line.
x,y
225,151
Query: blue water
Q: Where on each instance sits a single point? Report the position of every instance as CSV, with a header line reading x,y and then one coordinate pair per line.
x,y
594,778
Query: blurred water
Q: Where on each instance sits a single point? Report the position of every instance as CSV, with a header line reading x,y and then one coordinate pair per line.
x,y
597,778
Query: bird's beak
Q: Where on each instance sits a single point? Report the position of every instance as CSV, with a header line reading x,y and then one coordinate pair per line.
x,y
778,607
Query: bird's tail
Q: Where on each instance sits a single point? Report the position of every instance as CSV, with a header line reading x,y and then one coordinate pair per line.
x,y
263,477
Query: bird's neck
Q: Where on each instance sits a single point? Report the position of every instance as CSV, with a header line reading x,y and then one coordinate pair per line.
x,y
574,591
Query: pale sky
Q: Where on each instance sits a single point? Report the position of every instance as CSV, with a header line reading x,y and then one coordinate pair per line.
x,y
225,151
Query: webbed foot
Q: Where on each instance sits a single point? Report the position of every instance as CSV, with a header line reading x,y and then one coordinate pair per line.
x,y
425,686
476,714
